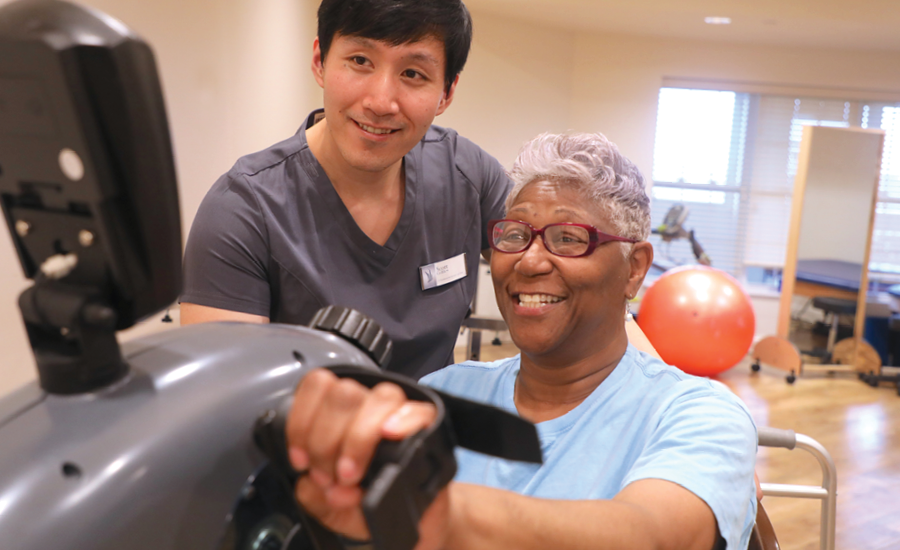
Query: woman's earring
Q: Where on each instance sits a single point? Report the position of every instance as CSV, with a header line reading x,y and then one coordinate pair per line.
x,y
628,315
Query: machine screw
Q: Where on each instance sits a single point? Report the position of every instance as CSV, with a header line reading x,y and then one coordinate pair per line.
x,y
23,228
248,492
70,164
85,238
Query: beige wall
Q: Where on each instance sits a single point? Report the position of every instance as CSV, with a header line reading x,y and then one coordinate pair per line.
x,y
235,75
516,84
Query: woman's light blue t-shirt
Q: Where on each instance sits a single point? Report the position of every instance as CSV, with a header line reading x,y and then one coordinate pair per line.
x,y
646,420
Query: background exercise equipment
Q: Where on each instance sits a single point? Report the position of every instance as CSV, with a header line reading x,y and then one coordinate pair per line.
x,y
672,229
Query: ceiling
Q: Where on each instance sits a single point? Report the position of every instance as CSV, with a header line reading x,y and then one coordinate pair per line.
x,y
841,24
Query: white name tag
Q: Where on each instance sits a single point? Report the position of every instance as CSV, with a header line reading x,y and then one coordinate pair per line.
x,y
441,273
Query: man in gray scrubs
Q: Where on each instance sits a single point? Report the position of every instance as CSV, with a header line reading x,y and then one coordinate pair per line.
x,y
368,205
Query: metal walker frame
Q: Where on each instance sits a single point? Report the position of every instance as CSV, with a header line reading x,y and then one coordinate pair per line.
x,y
827,492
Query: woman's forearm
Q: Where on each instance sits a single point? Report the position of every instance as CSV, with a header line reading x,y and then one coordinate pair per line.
x,y
482,518
490,519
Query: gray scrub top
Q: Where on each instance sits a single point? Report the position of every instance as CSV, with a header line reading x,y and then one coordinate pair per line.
x,y
273,238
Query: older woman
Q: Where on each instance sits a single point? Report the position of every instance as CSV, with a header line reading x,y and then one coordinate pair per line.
x,y
637,454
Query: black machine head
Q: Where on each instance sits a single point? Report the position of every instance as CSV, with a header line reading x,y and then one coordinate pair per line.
x,y
87,185
86,165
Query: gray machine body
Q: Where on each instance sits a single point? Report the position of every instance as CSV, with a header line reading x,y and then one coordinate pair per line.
x,y
159,460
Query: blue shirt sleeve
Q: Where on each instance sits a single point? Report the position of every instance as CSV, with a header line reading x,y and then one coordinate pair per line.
x,y
708,429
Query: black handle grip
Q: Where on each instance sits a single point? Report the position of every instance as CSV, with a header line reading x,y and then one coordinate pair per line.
x,y
404,477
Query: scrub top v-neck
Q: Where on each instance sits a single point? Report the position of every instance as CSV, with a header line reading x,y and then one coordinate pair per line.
x,y
385,253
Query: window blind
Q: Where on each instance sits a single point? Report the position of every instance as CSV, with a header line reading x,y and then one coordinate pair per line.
x,y
698,162
885,255
740,199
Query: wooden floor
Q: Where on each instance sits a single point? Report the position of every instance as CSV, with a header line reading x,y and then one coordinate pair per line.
x,y
857,424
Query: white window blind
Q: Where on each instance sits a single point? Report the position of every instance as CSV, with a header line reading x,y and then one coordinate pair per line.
x,y
885,256
774,165
731,159
698,160
770,183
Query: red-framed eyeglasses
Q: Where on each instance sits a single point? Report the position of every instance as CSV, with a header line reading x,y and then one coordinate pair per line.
x,y
570,240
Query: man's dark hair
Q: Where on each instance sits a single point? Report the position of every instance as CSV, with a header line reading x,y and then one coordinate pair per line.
x,y
400,22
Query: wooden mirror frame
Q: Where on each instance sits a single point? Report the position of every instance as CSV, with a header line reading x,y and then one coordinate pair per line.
x,y
789,272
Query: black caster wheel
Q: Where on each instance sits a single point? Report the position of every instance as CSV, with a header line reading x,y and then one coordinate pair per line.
x,y
869,379
496,342
755,366
791,378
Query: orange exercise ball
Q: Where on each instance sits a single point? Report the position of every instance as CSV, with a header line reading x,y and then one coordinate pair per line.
x,y
698,318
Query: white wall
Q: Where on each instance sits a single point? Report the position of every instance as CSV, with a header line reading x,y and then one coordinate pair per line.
x,y
235,79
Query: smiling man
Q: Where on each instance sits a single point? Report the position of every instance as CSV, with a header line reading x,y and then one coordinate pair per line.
x,y
368,205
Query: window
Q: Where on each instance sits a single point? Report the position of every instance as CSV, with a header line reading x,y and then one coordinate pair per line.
x,y
698,156
693,140
885,256
731,157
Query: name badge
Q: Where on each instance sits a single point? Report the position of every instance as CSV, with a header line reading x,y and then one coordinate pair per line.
x,y
441,273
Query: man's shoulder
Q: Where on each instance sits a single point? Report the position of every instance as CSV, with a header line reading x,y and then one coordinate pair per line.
x,y
258,164
472,161
271,172
440,134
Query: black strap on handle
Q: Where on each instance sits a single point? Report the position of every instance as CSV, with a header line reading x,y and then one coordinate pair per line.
x,y
405,476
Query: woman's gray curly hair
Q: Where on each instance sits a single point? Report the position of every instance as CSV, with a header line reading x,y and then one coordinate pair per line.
x,y
592,165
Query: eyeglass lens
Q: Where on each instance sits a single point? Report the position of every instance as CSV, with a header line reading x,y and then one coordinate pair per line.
x,y
561,239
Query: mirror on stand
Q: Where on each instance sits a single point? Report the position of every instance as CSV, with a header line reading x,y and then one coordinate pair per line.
x,y
827,257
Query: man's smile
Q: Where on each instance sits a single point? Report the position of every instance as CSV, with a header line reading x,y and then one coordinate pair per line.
x,y
376,131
